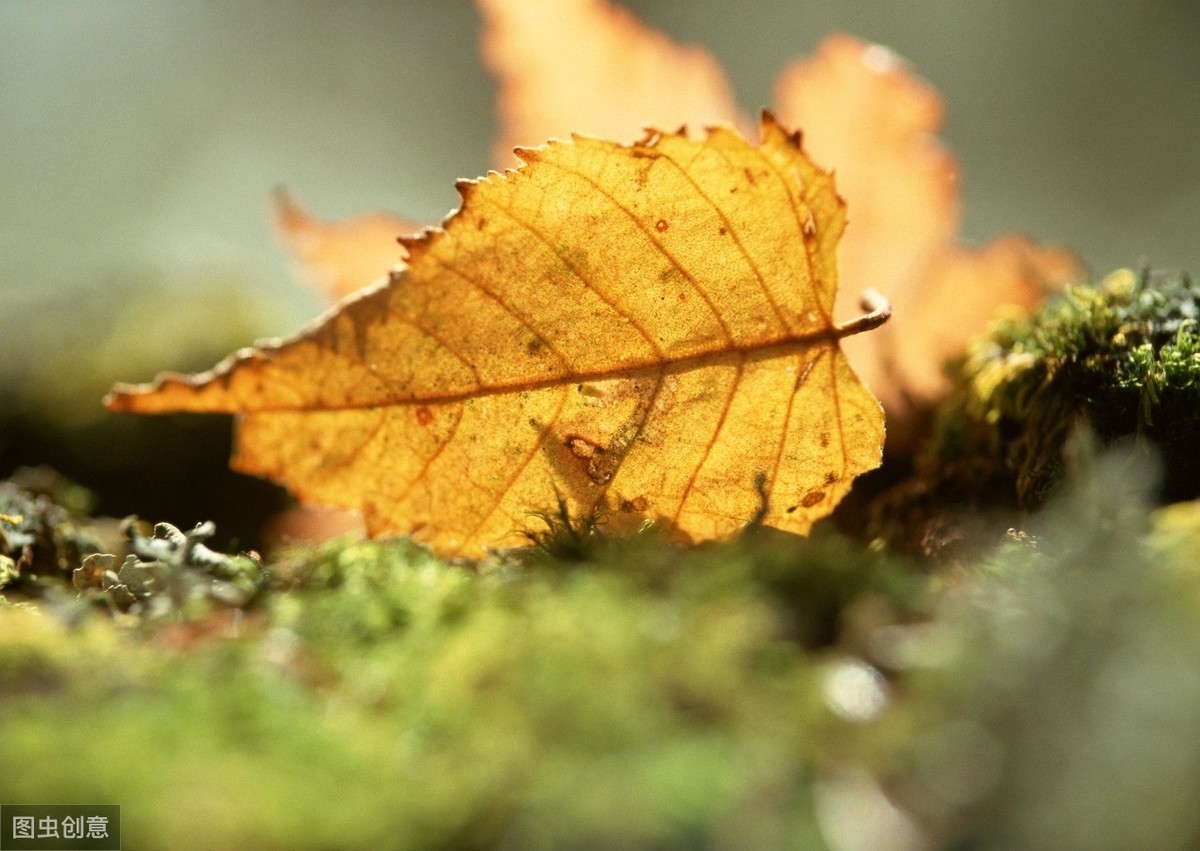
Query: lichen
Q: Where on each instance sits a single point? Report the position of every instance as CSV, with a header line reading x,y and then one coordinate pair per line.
x,y
170,574
41,540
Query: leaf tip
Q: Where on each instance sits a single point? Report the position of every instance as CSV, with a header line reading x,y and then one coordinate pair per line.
x,y
769,126
528,155
282,203
291,220
650,137
117,399
465,188
414,244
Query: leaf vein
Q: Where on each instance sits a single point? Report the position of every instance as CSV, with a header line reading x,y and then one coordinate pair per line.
x,y
716,434
655,243
441,447
502,492
787,420
733,233
437,339
584,279
800,226
506,307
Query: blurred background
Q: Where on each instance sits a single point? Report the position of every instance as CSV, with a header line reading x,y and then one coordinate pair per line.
x,y
142,140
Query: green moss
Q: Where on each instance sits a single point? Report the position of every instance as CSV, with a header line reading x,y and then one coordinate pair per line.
x,y
1121,359
758,693
380,697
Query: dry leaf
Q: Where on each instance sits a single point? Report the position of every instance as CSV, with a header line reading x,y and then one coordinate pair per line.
x,y
643,329
311,524
341,257
1013,267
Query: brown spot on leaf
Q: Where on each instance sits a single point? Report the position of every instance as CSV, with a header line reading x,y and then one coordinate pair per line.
x,y
661,225
581,447
424,415
600,465
635,506
812,498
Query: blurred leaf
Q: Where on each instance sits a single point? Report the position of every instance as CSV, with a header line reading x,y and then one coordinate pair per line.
x,y
344,256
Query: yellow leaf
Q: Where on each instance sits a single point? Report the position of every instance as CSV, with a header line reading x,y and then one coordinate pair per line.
x,y
643,330
590,66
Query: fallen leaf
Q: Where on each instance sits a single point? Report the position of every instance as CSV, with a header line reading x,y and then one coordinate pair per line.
x,y
645,330
341,257
311,524
950,279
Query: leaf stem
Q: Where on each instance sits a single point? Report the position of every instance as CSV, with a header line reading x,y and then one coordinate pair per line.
x,y
879,311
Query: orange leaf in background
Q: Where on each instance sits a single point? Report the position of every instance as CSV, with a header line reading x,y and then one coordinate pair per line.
x,y
867,115
341,257
613,87
950,281
876,122
584,66
642,329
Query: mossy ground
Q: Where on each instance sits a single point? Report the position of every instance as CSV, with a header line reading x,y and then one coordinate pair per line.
x,y
760,693
377,697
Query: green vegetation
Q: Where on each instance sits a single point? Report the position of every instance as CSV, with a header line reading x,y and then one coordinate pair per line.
x,y
1122,357
374,696
767,691
1118,362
